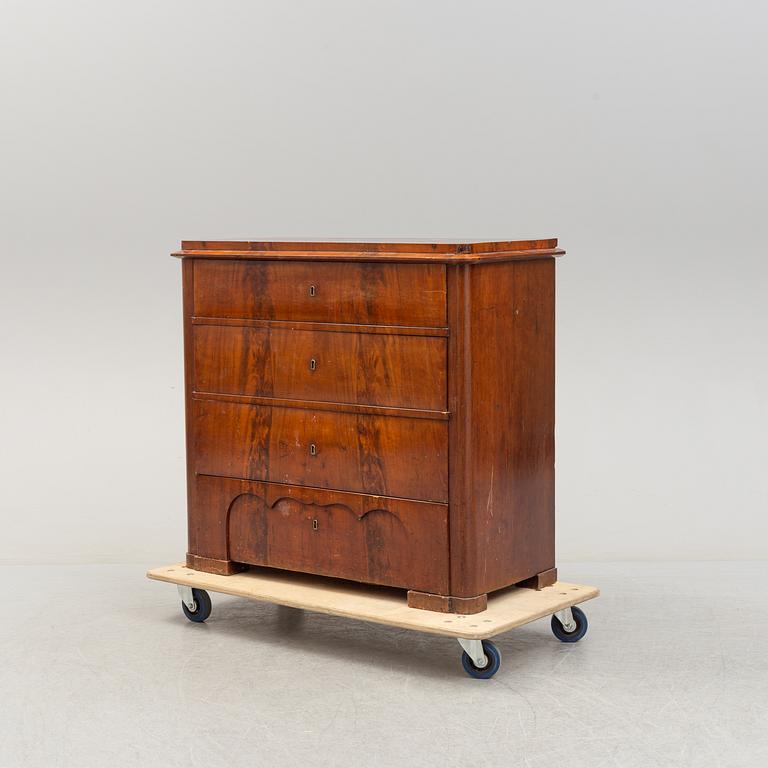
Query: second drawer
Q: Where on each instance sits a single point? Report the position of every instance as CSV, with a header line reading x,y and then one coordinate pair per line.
x,y
341,367
382,455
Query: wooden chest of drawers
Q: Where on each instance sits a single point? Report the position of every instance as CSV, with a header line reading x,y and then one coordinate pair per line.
x,y
381,412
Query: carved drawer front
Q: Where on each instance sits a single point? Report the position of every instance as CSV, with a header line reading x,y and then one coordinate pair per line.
x,y
365,538
381,455
376,294
363,368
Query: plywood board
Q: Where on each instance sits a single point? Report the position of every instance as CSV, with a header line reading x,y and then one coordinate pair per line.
x,y
507,608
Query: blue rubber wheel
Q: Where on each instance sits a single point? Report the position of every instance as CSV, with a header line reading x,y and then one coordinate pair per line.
x,y
202,606
581,627
490,669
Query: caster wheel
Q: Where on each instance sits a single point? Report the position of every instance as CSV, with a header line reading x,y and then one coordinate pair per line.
x,y
575,635
490,669
202,606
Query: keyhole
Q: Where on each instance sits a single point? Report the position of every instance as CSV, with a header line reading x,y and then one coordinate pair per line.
x,y
314,525
313,449
312,364
312,290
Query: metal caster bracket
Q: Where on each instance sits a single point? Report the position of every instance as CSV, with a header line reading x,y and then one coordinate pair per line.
x,y
565,617
185,593
474,649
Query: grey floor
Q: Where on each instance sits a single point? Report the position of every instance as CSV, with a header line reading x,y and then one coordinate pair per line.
x,y
99,668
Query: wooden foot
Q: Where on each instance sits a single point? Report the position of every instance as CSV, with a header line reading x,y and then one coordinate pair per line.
x,y
446,603
540,580
211,565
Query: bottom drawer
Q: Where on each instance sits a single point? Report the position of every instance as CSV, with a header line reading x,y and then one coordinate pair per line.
x,y
373,539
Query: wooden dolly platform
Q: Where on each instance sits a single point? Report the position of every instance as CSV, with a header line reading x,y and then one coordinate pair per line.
x,y
506,610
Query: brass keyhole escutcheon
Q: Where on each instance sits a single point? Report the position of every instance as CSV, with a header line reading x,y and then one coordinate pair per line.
x,y
312,290
313,449
314,524
313,364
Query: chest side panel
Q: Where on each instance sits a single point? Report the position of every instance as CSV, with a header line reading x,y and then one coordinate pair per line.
x,y
502,450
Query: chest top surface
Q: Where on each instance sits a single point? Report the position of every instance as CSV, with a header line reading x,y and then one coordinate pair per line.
x,y
433,251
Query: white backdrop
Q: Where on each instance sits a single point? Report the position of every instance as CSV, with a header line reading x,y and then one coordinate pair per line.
x,y
634,132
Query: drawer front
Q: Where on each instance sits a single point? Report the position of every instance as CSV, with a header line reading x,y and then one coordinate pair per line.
x,y
351,536
376,294
362,368
381,455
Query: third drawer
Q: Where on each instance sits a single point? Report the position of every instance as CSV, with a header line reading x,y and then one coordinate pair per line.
x,y
382,455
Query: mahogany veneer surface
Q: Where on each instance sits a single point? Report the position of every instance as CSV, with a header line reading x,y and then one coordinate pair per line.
x,y
381,412
322,365
383,294
386,455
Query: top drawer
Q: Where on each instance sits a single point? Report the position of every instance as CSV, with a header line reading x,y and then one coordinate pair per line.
x,y
325,292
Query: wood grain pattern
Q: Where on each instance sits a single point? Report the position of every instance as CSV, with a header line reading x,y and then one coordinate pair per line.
x,y
301,325
188,291
432,384
214,565
461,539
386,294
502,441
380,455
445,252
320,405
363,538
366,369
506,610
427,601
316,248
357,536
540,580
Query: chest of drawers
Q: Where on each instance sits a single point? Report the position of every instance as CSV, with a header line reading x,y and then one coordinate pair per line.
x,y
379,412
